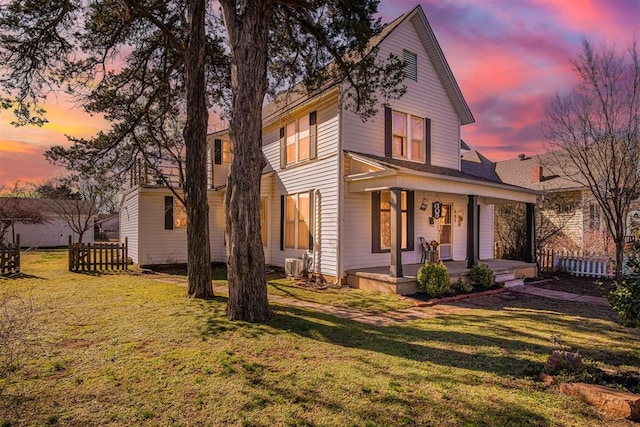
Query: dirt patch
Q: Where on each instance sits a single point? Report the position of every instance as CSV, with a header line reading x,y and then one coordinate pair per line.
x,y
577,285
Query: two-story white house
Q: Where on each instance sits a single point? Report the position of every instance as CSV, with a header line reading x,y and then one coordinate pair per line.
x,y
353,197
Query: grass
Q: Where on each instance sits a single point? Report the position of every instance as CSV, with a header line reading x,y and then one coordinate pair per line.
x,y
123,350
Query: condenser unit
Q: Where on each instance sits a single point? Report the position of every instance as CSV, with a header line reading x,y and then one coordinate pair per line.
x,y
293,267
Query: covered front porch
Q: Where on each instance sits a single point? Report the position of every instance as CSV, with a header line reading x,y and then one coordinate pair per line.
x,y
378,278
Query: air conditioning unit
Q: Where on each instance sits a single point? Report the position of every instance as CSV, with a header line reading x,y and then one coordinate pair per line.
x,y
293,267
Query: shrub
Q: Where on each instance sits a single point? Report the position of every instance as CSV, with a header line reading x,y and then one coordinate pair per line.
x,y
625,300
461,287
434,280
625,297
482,275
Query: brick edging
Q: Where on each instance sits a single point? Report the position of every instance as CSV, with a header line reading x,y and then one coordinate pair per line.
x,y
437,301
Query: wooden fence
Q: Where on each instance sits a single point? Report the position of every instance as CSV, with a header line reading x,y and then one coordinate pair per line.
x,y
10,257
577,263
97,256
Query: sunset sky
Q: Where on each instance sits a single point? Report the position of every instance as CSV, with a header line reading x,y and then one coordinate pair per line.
x,y
508,56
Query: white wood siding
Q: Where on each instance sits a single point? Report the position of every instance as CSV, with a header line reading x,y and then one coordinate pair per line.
x,y
320,174
159,246
129,223
216,227
486,221
357,222
54,233
424,98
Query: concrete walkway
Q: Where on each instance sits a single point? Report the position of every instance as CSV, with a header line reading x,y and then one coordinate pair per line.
x,y
414,313
559,295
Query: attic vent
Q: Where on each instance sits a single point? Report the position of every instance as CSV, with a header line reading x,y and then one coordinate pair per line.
x,y
411,65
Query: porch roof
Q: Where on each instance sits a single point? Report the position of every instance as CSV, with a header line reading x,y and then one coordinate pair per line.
x,y
419,176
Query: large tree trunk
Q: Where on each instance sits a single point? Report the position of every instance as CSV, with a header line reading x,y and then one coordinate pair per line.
x,y
248,32
195,136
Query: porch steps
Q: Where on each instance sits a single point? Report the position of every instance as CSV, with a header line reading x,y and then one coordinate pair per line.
x,y
508,280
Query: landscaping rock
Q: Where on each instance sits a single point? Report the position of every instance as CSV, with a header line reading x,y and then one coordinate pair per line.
x,y
613,402
561,358
546,378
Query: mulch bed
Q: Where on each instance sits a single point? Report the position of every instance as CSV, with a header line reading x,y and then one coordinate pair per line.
x,y
575,285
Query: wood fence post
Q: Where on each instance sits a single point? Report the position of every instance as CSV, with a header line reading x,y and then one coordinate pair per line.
x,y
70,250
17,258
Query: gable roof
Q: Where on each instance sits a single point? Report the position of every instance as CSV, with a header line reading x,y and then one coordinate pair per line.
x,y
519,172
47,206
298,94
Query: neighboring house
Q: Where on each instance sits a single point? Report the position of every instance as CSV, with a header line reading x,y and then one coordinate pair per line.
x,y
55,231
107,227
349,195
572,206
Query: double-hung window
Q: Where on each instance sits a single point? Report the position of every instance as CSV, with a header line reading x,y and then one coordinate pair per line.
x,y
381,219
296,221
408,136
298,140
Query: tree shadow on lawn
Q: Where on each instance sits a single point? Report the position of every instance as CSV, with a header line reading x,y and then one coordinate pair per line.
x,y
395,404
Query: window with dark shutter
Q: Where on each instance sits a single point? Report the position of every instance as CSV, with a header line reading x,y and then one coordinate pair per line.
x,y
168,213
217,151
381,221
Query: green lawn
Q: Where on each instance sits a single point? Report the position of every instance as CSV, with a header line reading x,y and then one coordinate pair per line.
x,y
118,349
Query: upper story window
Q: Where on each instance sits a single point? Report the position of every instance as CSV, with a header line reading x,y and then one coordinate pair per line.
x,y
408,139
221,151
298,140
410,65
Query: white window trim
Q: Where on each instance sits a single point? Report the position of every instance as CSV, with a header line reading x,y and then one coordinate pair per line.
x,y
296,229
409,154
297,140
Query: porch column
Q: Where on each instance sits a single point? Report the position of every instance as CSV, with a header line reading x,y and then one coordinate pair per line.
x,y
395,269
530,238
472,233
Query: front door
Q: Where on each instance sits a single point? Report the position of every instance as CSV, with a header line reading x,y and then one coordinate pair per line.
x,y
445,233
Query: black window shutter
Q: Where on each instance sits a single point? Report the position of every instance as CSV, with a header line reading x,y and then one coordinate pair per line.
x,y
168,212
217,151
313,135
388,132
282,212
283,150
427,140
410,219
375,221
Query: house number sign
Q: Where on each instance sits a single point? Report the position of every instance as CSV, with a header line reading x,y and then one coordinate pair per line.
x,y
436,210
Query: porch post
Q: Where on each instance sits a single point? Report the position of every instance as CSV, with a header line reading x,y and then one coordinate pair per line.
x,y
530,238
395,269
472,234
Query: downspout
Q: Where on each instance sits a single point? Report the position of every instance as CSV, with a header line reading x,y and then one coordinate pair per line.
x,y
316,232
341,184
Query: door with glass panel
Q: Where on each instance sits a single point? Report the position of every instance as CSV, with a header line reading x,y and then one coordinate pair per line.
x,y
445,233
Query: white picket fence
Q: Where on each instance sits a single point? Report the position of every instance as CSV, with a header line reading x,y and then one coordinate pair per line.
x,y
577,263
584,266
